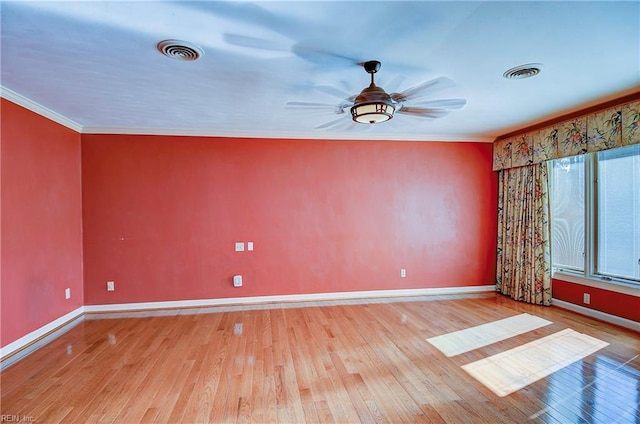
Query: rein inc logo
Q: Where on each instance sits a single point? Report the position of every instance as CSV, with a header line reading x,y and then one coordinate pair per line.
x,y
6,418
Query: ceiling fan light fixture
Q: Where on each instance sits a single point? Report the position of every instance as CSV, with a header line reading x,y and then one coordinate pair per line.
x,y
372,112
373,104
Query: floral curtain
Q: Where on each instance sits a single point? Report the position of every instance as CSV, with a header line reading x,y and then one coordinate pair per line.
x,y
606,129
524,259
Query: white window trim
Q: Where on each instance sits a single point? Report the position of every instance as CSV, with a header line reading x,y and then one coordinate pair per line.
x,y
588,277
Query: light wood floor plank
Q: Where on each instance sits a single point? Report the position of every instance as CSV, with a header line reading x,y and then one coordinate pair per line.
x,y
342,361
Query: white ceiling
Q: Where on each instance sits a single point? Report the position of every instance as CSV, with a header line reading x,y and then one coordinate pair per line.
x,y
94,64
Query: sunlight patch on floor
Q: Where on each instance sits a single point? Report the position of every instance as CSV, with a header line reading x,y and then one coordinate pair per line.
x,y
511,370
466,340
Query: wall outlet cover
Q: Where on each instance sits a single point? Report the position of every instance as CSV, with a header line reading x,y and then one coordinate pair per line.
x,y
237,281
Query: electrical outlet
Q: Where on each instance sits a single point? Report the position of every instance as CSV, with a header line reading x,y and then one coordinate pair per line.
x,y
67,293
111,286
586,299
237,281
403,273
239,246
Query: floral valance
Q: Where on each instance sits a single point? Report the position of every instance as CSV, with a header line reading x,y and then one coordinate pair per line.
x,y
606,129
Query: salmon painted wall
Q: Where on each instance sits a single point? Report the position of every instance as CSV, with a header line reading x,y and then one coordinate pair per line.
x,y
161,216
613,303
41,243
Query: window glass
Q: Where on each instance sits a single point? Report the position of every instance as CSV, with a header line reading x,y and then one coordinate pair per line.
x,y
567,213
618,213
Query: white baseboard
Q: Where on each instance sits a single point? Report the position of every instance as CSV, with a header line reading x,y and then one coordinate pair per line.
x,y
288,298
623,322
46,332
32,341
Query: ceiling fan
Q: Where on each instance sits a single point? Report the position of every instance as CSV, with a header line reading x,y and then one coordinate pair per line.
x,y
373,105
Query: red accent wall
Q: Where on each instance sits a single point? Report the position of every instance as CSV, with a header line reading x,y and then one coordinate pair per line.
x,y
613,303
41,243
162,214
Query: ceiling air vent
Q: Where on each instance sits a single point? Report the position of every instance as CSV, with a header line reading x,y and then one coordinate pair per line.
x,y
523,71
180,50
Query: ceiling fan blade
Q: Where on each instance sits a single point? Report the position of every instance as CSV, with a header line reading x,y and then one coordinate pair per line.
x,y
252,14
333,91
308,105
253,42
324,58
442,103
312,55
329,124
394,83
423,112
423,89
337,109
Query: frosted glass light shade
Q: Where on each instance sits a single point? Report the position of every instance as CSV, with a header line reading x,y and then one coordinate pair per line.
x,y
372,113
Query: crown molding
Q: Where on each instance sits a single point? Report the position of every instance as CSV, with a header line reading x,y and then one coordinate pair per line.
x,y
278,135
584,109
29,104
35,107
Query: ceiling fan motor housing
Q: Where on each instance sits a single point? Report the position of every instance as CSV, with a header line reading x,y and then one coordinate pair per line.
x,y
373,105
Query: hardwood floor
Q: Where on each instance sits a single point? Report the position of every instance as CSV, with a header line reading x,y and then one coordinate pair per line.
x,y
359,361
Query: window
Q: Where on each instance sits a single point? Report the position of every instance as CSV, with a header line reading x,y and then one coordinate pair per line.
x,y
567,216
595,214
